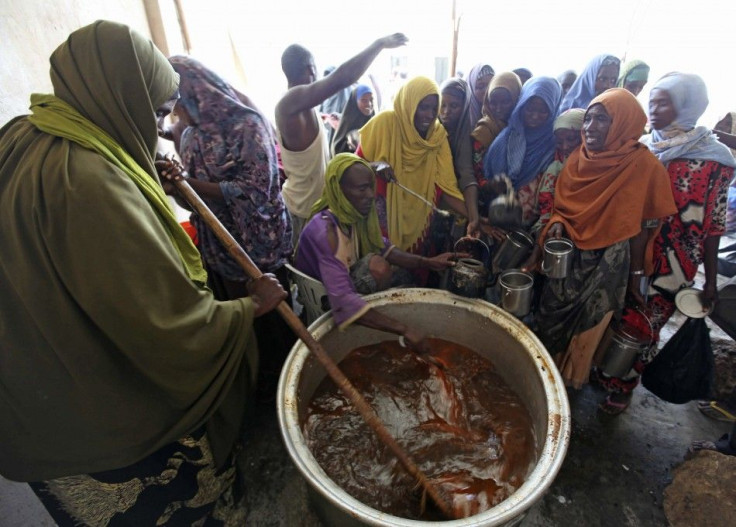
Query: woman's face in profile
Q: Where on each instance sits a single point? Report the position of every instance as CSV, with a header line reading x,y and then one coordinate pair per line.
x,y
662,112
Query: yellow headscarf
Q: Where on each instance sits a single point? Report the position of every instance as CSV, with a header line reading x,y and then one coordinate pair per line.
x,y
419,164
367,228
113,113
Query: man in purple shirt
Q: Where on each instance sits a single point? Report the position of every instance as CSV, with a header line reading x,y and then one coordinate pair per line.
x,y
342,247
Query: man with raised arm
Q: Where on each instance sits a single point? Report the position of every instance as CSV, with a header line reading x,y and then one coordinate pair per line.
x,y
304,147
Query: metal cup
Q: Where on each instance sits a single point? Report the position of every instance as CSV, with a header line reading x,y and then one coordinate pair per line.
x,y
516,291
557,261
514,250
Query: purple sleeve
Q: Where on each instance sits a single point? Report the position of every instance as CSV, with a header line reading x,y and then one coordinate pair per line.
x,y
315,258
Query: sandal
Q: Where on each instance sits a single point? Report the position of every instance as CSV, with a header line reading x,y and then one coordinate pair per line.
x,y
715,410
611,407
722,445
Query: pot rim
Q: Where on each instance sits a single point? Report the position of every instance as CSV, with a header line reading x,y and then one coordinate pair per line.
x,y
549,460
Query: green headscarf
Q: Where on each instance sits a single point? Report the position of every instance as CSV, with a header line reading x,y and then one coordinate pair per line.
x,y
634,70
367,229
55,117
110,349
113,112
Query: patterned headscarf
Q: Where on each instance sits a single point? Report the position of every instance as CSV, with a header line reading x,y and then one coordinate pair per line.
x,y
582,90
216,148
523,153
682,139
214,105
572,119
477,72
367,228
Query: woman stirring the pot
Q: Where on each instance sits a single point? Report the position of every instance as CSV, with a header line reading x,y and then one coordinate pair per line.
x,y
608,192
700,169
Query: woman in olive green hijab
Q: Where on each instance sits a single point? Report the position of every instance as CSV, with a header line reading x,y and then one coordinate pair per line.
x,y
119,370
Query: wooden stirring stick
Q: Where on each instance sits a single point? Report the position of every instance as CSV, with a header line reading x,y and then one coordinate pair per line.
x,y
365,410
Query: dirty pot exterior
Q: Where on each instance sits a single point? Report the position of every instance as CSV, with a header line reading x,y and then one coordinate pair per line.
x,y
468,278
517,354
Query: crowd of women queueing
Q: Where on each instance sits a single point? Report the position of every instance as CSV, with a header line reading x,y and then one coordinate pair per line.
x,y
640,198
125,379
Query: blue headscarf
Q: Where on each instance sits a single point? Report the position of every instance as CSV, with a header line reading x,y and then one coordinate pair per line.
x,y
361,90
682,139
582,90
523,153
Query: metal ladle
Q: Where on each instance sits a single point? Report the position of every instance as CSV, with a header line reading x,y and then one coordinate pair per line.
x,y
428,203
382,165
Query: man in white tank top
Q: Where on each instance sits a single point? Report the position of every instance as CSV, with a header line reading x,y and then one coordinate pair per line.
x,y
304,148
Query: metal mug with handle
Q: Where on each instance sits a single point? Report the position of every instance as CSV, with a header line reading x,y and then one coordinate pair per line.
x,y
558,253
514,250
516,291
620,346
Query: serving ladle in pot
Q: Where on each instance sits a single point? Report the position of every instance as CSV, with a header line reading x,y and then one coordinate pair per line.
x,y
360,404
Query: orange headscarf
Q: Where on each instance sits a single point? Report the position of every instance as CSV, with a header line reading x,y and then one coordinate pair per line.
x,y
602,197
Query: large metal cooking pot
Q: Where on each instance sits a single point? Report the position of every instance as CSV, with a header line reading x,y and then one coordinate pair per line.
x,y
517,354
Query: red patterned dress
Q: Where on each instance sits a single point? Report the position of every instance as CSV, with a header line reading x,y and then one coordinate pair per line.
x,y
700,189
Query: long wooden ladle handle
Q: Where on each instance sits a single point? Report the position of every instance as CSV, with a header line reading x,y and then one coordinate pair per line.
x,y
365,410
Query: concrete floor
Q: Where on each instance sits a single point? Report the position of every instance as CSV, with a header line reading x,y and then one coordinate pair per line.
x,y
614,474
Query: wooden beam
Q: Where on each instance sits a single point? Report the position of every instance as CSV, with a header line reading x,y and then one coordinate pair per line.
x,y
156,25
186,41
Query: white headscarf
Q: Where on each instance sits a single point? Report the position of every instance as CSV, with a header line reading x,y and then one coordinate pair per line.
x,y
682,139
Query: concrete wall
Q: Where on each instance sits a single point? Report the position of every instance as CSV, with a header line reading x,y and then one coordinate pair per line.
x,y
31,29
